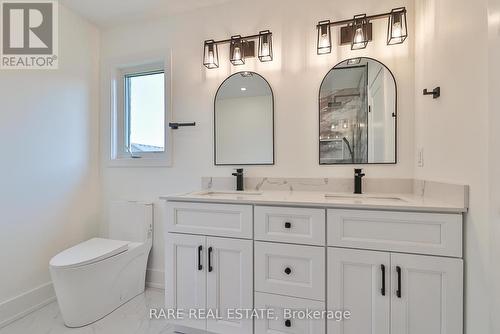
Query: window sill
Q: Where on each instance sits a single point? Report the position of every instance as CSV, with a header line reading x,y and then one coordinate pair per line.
x,y
141,162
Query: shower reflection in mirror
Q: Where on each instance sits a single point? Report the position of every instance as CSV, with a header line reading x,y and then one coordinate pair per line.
x,y
357,107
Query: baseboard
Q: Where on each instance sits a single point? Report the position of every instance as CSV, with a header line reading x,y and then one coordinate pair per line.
x,y
20,306
155,279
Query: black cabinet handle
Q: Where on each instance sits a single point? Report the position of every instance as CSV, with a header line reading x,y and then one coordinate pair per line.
x,y
200,266
288,225
398,291
288,271
288,323
382,268
210,268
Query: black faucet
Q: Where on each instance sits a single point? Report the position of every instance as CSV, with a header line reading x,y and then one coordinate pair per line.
x,y
358,176
239,179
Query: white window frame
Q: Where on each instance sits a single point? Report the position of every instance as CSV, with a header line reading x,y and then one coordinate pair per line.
x,y
119,155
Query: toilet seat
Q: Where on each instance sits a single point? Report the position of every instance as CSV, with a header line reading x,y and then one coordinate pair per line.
x,y
90,251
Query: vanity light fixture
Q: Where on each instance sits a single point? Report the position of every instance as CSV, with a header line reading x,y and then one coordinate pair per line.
x,y
265,46
210,54
358,31
240,48
237,51
324,37
397,30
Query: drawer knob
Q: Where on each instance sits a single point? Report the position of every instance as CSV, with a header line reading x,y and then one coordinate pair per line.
x,y
288,271
288,323
288,225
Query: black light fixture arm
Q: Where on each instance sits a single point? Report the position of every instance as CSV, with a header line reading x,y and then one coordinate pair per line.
x,y
244,38
348,21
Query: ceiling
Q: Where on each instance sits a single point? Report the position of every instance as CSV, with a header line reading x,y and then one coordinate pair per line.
x,y
109,13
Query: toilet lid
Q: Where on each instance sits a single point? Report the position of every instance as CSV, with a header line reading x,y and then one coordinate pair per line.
x,y
90,251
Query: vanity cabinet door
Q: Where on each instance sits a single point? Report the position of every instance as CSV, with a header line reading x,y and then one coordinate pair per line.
x,y
359,282
229,283
427,295
186,275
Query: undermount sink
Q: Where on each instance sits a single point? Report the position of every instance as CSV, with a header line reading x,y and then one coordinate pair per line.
x,y
228,192
363,196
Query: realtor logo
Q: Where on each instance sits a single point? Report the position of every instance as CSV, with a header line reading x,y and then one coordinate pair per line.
x,y
29,34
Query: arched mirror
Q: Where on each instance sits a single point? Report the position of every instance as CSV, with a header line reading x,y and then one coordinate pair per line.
x,y
357,114
244,121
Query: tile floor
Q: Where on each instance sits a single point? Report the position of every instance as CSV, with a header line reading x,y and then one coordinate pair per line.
x,y
131,318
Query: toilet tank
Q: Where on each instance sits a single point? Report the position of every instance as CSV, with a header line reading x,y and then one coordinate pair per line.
x,y
131,221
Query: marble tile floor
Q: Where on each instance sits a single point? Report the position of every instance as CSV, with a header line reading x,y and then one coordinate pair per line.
x,y
130,318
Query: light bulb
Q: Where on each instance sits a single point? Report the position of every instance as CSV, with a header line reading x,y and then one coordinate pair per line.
x,y
324,42
358,37
210,57
237,53
397,30
265,49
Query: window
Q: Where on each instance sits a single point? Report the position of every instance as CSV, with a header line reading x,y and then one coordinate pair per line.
x,y
145,112
141,112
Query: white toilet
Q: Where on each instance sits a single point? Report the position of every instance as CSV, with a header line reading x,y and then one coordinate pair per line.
x,y
94,278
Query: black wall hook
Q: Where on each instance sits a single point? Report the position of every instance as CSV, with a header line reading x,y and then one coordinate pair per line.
x,y
436,92
175,126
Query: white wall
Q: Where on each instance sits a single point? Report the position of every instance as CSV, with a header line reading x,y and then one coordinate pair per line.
x,y
494,156
49,163
295,76
451,52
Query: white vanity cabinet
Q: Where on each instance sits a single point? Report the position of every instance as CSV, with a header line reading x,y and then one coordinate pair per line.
x,y
394,293
207,272
394,271
385,290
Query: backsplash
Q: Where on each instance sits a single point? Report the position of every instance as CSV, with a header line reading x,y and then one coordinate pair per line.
x,y
458,194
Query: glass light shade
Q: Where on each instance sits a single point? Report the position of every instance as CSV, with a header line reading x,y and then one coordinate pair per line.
x,y
236,51
397,31
324,37
265,46
210,54
360,32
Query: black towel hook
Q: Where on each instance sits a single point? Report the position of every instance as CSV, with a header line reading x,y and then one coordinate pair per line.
x,y
175,126
436,92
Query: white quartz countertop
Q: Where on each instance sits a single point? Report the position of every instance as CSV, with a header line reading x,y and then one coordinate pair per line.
x,y
370,201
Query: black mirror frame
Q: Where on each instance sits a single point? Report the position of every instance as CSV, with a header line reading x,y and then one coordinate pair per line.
x,y
215,122
395,116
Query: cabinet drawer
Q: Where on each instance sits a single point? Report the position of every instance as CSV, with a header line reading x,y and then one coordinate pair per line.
x,y
291,270
225,220
278,304
294,225
409,232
